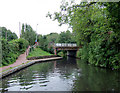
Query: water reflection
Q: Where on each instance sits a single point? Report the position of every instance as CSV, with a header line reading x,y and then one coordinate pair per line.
x,y
62,75
96,79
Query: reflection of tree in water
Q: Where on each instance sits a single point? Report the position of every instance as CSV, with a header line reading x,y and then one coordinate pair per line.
x,y
37,71
66,67
96,79
27,76
82,76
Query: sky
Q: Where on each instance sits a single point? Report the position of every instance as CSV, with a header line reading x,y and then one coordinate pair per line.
x,y
32,12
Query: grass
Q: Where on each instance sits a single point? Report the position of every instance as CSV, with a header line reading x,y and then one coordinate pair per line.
x,y
38,52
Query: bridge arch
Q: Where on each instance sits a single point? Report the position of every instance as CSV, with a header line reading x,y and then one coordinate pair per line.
x,y
71,48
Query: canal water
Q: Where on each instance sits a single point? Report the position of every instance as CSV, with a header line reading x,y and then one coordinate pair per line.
x,y
62,75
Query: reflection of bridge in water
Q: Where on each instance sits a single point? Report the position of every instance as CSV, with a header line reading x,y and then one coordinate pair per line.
x,y
71,48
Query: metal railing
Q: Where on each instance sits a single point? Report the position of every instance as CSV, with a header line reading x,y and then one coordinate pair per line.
x,y
65,45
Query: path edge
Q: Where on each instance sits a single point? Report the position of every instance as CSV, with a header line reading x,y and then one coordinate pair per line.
x,y
22,66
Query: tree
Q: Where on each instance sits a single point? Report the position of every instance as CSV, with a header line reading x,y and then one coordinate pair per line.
x,y
28,33
7,34
66,37
95,26
114,14
52,37
43,42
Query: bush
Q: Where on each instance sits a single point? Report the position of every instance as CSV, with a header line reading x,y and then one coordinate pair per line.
x,y
103,52
12,49
50,50
83,53
19,45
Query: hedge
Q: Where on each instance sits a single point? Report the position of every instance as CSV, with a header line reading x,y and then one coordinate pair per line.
x,y
12,49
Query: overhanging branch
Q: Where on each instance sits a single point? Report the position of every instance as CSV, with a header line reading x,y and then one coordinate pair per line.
x,y
84,5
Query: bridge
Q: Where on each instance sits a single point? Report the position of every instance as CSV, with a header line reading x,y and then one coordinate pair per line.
x,y
71,48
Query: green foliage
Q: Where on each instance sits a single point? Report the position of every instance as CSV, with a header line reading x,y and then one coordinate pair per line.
x,y
96,28
28,34
105,53
46,41
62,53
12,49
66,37
114,14
83,53
7,34
50,50
43,42
31,48
52,37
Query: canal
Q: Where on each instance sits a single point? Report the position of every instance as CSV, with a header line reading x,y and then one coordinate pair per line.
x,y
62,75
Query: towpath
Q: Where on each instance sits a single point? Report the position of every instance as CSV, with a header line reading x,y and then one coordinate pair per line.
x,y
21,59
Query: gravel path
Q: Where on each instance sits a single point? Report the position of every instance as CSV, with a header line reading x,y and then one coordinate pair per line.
x,y
21,59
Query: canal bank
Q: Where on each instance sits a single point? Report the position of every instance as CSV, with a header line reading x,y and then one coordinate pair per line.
x,y
21,66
